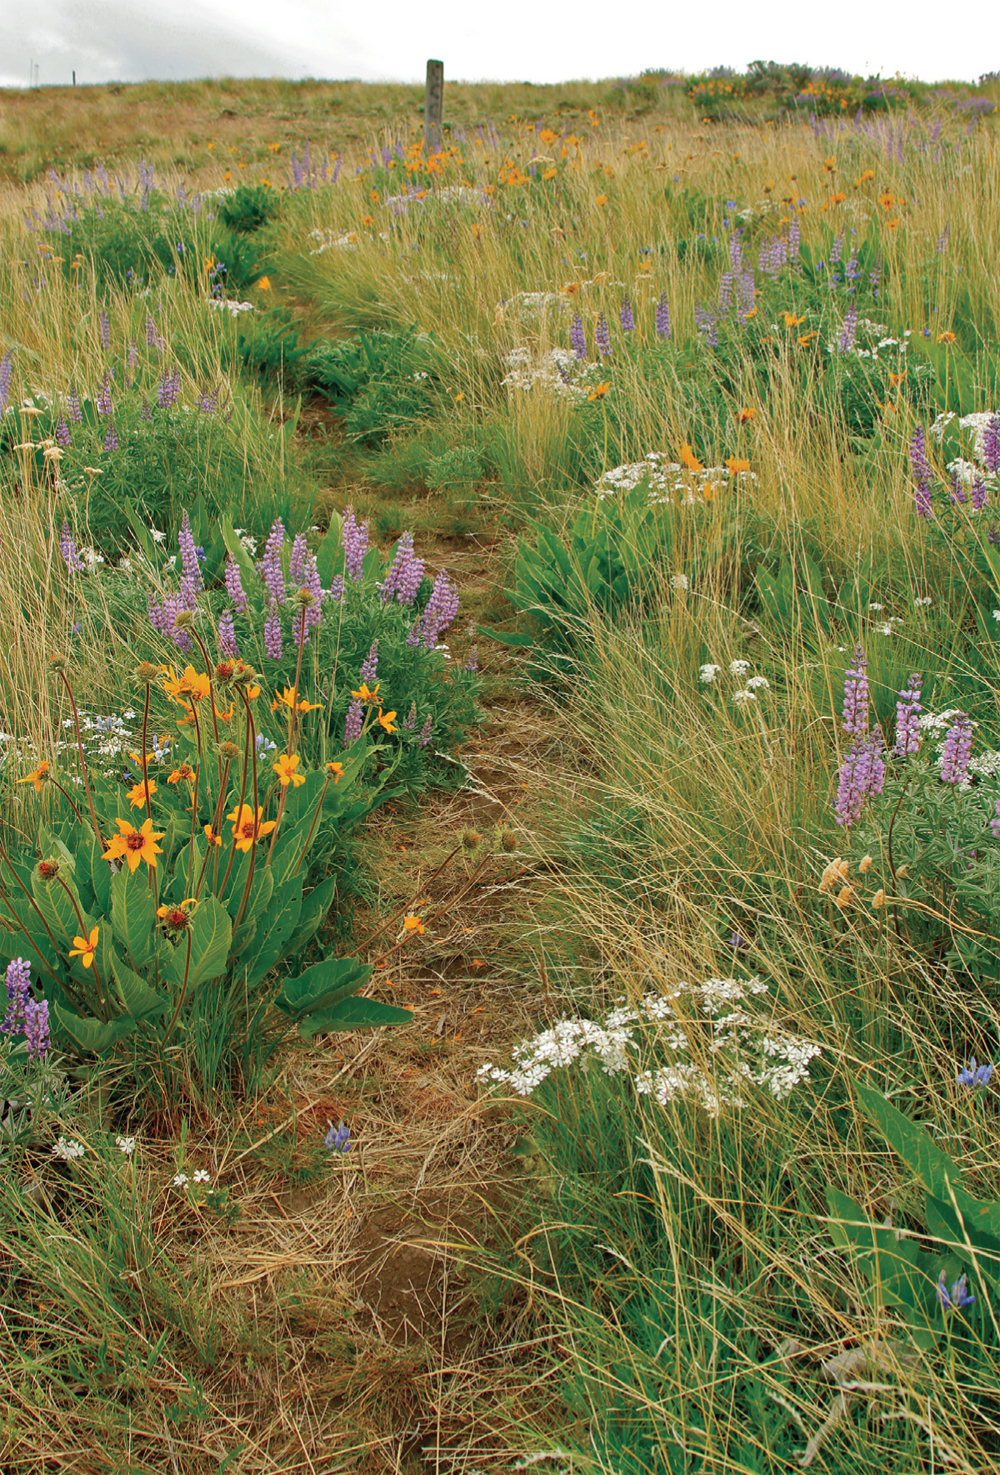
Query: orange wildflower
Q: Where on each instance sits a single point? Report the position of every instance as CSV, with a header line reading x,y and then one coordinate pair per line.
x,y
246,829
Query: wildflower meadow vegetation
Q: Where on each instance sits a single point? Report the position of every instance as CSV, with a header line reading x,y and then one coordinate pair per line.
x,y
500,776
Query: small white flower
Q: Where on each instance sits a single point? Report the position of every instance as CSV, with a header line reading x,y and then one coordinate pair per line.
x,y
739,668
68,1149
180,1179
157,536
744,696
125,1145
709,672
761,681
877,607
885,629
201,1176
679,581
928,600
996,614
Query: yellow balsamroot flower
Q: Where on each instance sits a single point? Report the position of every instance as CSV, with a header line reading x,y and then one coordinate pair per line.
x,y
364,695
264,285
736,464
183,773
137,794
85,947
176,917
285,769
38,776
134,845
746,414
193,684
288,698
791,320
248,830
336,771
385,720
689,458
211,837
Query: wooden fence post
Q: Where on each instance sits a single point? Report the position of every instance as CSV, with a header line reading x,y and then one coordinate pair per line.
x,y
433,107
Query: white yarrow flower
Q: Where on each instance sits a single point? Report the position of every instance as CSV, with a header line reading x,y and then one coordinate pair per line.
x,y
758,681
679,581
709,672
739,668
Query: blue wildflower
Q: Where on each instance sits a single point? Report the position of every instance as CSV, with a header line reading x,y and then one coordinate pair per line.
x,y
338,1139
975,1075
959,1295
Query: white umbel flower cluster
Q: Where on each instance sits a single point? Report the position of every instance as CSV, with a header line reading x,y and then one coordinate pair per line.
x,y
704,1041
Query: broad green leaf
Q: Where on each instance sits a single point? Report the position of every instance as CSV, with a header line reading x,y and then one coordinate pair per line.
x,y
274,929
211,933
58,903
322,986
92,1035
315,907
133,915
913,1144
326,556
353,1014
90,856
141,1001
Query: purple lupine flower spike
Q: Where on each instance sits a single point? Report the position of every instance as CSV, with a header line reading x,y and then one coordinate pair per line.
x,y
353,723
73,410
663,317
369,668
312,583
424,735
957,751
850,327
191,580
991,445
405,575
62,434
922,473
234,586
995,821
36,1028
111,439
295,562
578,337
627,317
18,980
355,544
602,335
856,695
105,329
67,548
227,635
410,722
862,773
6,368
274,576
440,610
104,395
908,711
978,494
272,633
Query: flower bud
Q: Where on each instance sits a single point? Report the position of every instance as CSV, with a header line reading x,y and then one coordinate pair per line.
x,y
304,598
184,619
902,872
865,865
878,900
48,869
58,662
228,750
146,672
508,841
471,839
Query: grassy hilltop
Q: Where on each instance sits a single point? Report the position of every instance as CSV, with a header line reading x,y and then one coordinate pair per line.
x,y
500,761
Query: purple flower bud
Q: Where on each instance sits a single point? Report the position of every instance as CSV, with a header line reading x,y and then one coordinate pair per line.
x,y
424,735
111,439
272,633
104,394
578,337
410,722
472,664
67,548
353,723
957,751
908,711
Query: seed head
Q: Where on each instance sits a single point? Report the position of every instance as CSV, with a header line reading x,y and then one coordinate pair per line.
x,y
228,750
48,869
58,662
146,672
471,839
508,841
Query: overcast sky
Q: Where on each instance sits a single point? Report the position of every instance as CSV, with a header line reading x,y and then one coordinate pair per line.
x,y
506,40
